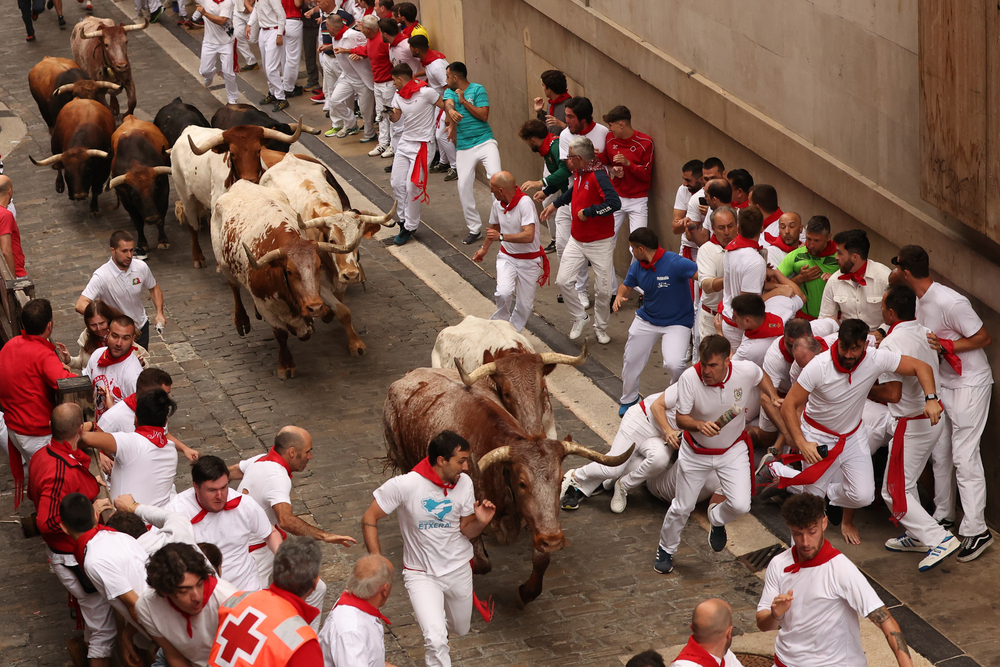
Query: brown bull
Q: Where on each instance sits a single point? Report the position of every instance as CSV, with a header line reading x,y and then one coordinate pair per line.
x,y
520,474
139,175
53,82
100,47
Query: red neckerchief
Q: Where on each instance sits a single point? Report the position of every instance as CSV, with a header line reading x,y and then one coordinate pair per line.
x,y
431,57
857,276
656,258
340,33
130,401
425,470
778,242
825,554
543,150
80,550
830,249
209,589
107,360
513,200
155,434
696,653
741,242
369,11
836,361
396,40
44,341
352,600
553,103
306,611
715,240
587,129
771,219
69,455
771,326
408,30
232,504
720,385
275,457
407,91
741,206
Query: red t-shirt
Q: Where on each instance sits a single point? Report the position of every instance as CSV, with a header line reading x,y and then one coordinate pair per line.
x,y
638,149
27,385
377,52
9,226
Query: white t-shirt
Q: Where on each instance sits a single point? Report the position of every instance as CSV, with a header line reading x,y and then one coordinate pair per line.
x,y
755,349
116,564
669,403
910,339
777,366
267,483
598,136
161,620
217,34
233,531
143,469
513,222
845,299
430,521
682,198
119,418
418,114
709,403
694,214
950,315
352,638
401,54
729,660
710,261
744,271
122,290
821,627
774,255
356,71
437,74
836,399
119,379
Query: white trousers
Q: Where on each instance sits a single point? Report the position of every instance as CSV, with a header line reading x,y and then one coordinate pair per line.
x,y
664,486
564,225
642,336
575,257
732,334
651,458
265,569
486,154
849,481
520,277
384,93
218,58
240,31
704,324
637,210
341,103
272,58
880,424
331,71
151,5
918,442
445,147
293,53
442,605
956,456
28,445
99,631
733,471
407,201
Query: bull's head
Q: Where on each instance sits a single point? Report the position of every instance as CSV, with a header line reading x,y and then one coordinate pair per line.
x,y
86,89
535,476
143,187
346,228
75,163
115,40
519,381
243,144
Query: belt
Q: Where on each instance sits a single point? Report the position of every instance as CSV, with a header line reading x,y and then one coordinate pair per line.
x,y
540,253
726,319
273,27
708,310
816,470
293,18
712,451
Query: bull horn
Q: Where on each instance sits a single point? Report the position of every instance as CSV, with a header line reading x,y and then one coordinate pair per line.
x,y
309,129
166,151
281,136
462,374
336,248
67,88
553,358
570,447
268,257
384,220
110,85
93,152
162,171
136,26
201,150
498,455
481,372
115,182
92,34
47,161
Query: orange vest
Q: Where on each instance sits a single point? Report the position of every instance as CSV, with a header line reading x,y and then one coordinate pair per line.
x,y
258,628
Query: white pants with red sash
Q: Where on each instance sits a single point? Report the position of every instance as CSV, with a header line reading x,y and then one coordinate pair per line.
x,y
917,438
218,59
442,605
957,456
403,188
520,277
731,465
99,631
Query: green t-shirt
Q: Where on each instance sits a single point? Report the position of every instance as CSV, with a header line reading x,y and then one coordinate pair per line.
x,y
470,131
799,259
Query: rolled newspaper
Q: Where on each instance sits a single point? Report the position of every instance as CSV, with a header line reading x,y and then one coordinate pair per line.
x,y
728,416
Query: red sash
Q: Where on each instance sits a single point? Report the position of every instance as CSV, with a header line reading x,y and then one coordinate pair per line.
x,y
711,451
723,315
696,653
895,476
419,175
351,600
948,352
546,269
816,470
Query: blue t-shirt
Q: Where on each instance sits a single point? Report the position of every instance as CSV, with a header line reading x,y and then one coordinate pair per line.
x,y
666,299
470,131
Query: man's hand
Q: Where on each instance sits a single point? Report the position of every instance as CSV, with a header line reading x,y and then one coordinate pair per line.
x,y
673,439
547,213
454,116
703,209
129,652
617,172
933,341
538,196
808,273
493,234
539,104
933,411
109,400
622,160
191,454
279,41
102,505
552,121
485,511
810,453
708,429
479,255
159,320
106,463
125,502
248,32
580,216
717,321
531,185
619,300
199,8
62,352
461,96
826,276
342,540
781,604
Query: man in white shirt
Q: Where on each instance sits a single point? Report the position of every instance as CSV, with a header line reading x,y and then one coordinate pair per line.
x,y
813,595
696,221
711,402
267,23
716,193
113,370
958,335
120,283
711,637
764,198
435,69
693,176
790,236
353,634
855,291
438,516
355,81
743,270
217,50
522,266
710,260
762,321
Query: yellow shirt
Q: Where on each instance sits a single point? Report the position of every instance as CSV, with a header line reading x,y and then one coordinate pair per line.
x,y
420,30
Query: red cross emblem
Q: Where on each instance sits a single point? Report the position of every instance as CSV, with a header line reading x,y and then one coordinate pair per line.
x,y
239,638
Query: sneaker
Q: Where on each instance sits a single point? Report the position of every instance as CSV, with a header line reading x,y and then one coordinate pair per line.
x,y
89,7
577,329
333,132
368,140
62,21
388,152
440,168
664,563
29,38
559,298
947,524
717,537
378,150
281,105
550,248
620,499
388,169
294,92
603,338
567,480
403,236
905,543
318,98
200,23
949,546
973,547
249,68
764,473
834,514
140,253
571,497
623,408
452,175
270,99
153,18
183,22
472,238
342,132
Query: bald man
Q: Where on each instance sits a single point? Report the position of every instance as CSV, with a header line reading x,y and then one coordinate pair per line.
x,y
521,263
790,236
353,633
711,637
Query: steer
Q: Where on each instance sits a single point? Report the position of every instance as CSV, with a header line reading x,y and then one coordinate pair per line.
x,y
81,146
259,244
480,344
100,47
55,81
206,161
139,175
173,118
233,115
520,474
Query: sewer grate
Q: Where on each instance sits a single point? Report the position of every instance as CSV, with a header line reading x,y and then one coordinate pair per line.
x,y
753,660
758,560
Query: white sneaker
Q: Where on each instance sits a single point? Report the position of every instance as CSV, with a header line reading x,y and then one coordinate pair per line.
x,y
603,338
620,499
577,329
378,150
906,543
607,485
950,545
388,152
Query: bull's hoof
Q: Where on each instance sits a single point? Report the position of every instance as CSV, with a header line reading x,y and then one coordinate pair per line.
x,y
60,188
358,350
242,328
199,264
518,600
163,246
287,373
94,213
524,596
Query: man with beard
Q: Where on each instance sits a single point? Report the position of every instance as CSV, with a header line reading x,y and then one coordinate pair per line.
x,y
811,264
555,175
855,291
113,370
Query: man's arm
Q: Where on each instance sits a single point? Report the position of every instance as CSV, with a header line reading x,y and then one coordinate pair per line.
x,y
890,392
659,411
156,294
780,278
395,115
296,526
976,341
925,376
772,407
557,180
217,20
102,441
174,657
81,304
479,113
897,643
472,526
188,453
129,599
612,202
7,248
792,407
369,527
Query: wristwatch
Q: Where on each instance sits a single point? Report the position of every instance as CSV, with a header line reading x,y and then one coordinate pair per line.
x,y
501,237
931,397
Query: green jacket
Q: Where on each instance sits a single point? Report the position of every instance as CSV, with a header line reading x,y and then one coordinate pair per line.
x,y
558,178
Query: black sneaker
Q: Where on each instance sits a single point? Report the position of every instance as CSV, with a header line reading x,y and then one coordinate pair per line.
x,y
664,563
140,253
947,524
834,514
973,547
294,92
559,298
472,238
550,248
572,494
154,17
388,169
439,168
280,105
270,99
717,538
62,22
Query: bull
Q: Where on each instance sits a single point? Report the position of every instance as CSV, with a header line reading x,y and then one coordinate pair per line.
x,y
55,81
139,173
206,161
173,118
233,115
519,473
260,245
81,147
100,47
